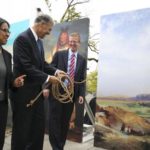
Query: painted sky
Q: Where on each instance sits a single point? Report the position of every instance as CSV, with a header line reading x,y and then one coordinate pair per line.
x,y
124,67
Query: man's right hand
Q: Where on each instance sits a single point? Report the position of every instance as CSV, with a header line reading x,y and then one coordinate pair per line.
x,y
59,72
53,80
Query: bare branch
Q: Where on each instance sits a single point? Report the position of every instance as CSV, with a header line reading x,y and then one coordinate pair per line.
x,y
93,59
70,6
78,3
48,4
71,14
96,34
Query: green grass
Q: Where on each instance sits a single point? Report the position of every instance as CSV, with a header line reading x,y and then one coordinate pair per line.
x,y
131,106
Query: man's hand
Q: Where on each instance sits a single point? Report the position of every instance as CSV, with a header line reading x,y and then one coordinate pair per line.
x,y
81,100
71,125
19,81
59,72
46,93
53,80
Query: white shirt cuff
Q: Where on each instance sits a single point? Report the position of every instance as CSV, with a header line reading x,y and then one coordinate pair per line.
x,y
47,78
56,72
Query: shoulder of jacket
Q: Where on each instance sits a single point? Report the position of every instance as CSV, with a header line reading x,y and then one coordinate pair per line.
x,y
6,52
61,52
81,56
24,34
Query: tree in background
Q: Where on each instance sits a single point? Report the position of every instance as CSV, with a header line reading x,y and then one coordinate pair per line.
x,y
92,82
71,14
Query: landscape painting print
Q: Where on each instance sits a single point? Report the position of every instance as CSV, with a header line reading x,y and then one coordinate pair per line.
x,y
123,89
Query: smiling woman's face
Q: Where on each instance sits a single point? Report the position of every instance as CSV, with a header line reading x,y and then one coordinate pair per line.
x,y
4,33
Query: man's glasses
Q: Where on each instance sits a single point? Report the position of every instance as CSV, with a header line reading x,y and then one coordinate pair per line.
x,y
5,30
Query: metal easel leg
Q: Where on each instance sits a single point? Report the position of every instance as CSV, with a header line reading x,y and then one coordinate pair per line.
x,y
89,112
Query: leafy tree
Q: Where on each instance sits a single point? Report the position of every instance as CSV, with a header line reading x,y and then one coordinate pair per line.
x,y
92,82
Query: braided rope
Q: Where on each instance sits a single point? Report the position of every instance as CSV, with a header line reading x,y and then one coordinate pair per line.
x,y
68,90
62,92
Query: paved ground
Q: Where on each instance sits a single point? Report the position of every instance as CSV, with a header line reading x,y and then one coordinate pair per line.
x,y
69,145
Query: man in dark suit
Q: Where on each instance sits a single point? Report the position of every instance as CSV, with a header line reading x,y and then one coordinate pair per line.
x,y
71,62
28,122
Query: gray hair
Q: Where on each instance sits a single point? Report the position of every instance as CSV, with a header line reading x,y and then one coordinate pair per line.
x,y
43,18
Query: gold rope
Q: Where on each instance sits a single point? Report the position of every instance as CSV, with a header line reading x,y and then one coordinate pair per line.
x,y
68,90
32,101
58,88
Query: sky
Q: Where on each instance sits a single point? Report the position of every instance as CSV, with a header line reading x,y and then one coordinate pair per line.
x,y
129,66
17,10
124,59
95,9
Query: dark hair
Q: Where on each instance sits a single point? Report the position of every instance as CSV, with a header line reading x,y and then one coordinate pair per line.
x,y
4,21
44,19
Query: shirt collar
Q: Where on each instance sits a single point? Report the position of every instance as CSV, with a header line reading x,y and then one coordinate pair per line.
x,y
70,53
34,34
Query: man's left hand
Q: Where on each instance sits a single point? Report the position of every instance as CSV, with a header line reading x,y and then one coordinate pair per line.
x,y
19,81
81,100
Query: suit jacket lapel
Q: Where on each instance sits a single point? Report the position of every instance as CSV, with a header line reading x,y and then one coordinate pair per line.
x,y
77,64
34,43
6,59
65,60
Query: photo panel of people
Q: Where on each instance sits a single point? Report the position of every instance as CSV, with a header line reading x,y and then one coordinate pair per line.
x,y
57,41
123,89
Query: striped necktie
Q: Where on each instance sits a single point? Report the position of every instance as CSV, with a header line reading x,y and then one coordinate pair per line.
x,y
72,67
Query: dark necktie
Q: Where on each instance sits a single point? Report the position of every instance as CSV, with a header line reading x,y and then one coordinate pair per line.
x,y
39,44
